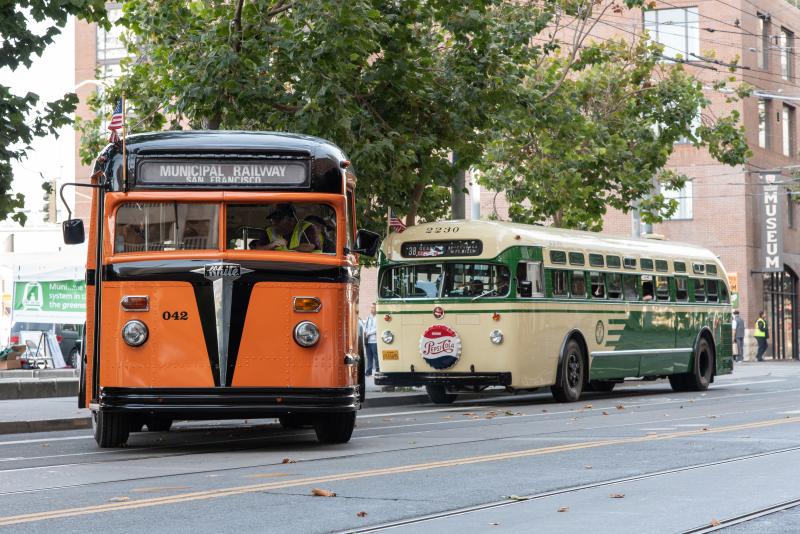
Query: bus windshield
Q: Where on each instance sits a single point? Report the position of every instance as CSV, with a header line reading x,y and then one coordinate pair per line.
x,y
150,226
445,280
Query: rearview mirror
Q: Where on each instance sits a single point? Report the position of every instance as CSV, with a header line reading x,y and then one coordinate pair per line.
x,y
367,243
72,230
525,288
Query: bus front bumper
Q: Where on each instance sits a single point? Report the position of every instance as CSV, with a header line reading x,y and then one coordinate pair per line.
x,y
453,380
227,403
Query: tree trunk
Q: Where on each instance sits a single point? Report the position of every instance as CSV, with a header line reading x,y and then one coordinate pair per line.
x,y
416,196
558,218
213,122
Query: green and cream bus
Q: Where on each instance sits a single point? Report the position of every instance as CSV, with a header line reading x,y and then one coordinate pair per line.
x,y
465,305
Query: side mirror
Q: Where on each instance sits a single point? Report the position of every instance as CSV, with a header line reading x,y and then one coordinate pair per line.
x,y
73,231
525,288
367,243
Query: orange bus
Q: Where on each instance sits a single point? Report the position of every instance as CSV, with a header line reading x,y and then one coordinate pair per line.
x,y
222,283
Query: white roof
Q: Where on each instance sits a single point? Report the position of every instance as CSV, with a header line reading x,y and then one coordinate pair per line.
x,y
498,236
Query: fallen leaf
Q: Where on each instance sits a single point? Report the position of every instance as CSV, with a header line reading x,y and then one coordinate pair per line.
x,y
617,495
605,413
468,414
362,514
587,406
489,417
712,416
386,419
564,509
715,522
119,499
516,498
45,445
448,416
587,466
620,407
475,417
317,492
493,524
288,461
544,411
509,413
705,429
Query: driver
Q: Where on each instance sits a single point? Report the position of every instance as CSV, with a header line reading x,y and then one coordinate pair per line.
x,y
285,232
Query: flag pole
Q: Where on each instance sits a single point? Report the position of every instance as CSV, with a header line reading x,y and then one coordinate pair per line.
x,y
388,221
124,135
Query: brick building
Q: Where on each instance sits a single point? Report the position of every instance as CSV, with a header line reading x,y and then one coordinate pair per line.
x,y
721,207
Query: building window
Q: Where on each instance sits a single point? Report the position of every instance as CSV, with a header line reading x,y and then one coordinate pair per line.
x,y
789,209
764,28
684,198
789,128
677,29
763,123
787,54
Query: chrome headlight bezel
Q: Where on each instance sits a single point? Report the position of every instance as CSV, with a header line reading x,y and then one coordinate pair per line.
x,y
306,334
496,337
387,337
135,333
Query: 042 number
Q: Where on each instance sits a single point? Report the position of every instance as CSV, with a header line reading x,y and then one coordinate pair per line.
x,y
175,316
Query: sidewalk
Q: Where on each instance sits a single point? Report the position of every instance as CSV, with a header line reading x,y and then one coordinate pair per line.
x,y
20,415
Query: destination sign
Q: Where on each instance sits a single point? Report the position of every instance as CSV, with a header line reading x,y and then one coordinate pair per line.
x,y
216,173
438,249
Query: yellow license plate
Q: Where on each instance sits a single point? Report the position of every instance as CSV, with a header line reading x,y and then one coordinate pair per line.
x,y
391,355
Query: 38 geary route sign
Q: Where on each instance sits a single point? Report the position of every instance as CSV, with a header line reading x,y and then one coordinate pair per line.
x,y
216,173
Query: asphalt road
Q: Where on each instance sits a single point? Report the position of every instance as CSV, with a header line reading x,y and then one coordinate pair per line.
x,y
640,459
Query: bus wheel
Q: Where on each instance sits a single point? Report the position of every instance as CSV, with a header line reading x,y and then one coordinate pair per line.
x,y
158,424
439,395
703,368
601,385
294,420
110,429
335,427
570,379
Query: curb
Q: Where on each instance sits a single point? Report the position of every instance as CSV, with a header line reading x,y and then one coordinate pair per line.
x,y
45,425
38,388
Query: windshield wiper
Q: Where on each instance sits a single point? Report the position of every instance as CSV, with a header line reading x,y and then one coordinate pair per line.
x,y
485,293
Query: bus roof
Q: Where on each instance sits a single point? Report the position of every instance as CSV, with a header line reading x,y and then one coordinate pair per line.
x,y
497,236
326,159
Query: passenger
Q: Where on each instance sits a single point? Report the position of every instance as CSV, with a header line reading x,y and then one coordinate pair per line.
x,y
129,238
502,283
286,233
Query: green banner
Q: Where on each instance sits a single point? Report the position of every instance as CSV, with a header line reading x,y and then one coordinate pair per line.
x,y
62,296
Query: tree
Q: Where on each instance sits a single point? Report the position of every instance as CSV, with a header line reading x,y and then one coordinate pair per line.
x,y
23,119
604,138
398,85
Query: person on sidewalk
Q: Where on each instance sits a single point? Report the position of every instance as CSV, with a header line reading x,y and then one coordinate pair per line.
x,y
738,335
371,338
761,336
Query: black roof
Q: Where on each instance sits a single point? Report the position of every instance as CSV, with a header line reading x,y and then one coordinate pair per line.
x,y
326,158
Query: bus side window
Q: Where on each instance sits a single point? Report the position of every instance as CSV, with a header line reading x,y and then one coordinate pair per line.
x,y
662,288
699,289
598,286
681,289
614,284
578,286
723,293
711,290
630,287
560,287
529,279
648,288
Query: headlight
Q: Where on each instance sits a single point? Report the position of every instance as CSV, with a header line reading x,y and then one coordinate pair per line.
x,y
306,334
134,333
387,337
496,337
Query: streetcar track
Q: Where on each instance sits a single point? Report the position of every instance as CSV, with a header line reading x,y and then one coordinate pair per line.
x,y
593,485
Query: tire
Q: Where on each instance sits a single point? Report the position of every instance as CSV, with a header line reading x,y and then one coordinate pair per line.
x,y
604,386
571,372
439,394
335,427
72,359
702,370
295,420
110,429
158,424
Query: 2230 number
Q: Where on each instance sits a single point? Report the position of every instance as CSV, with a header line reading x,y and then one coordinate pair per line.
x,y
441,229
175,316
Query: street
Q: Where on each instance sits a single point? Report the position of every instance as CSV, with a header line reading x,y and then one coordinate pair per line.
x,y
640,459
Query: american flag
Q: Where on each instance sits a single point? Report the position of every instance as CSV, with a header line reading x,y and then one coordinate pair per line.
x,y
117,120
395,223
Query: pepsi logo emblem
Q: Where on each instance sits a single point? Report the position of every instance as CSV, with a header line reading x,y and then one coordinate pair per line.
x,y
440,346
438,312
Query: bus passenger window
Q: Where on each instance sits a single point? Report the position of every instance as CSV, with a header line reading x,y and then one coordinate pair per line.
x,y
560,288
662,288
578,289
529,279
598,285
699,289
158,226
723,293
711,290
648,289
630,287
297,227
681,289
614,284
